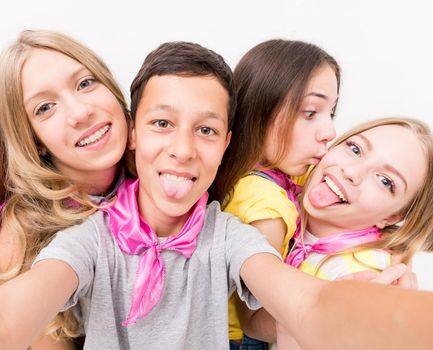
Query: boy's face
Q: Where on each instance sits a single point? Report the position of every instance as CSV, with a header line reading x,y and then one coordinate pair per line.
x,y
179,137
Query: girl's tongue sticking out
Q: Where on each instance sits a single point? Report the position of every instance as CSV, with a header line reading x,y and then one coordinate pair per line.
x,y
325,194
174,186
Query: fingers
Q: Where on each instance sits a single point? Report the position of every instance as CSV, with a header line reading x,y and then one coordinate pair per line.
x,y
391,274
360,276
408,279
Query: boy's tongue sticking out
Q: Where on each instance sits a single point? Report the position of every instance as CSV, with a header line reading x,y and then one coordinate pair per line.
x,y
174,186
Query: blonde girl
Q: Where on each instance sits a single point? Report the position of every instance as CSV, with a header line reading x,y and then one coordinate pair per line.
x,y
63,122
360,204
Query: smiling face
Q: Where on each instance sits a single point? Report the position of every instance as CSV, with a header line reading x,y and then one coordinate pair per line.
x,y
365,181
312,129
74,116
179,138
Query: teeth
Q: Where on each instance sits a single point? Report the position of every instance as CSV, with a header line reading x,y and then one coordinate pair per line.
x,y
94,137
335,189
176,178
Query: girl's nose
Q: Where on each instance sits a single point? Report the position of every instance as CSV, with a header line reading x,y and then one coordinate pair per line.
x,y
326,131
354,172
77,111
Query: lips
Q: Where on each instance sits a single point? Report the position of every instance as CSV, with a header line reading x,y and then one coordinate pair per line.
x,y
93,135
327,193
336,187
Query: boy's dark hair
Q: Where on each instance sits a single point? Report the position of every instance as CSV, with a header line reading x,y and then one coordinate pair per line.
x,y
188,60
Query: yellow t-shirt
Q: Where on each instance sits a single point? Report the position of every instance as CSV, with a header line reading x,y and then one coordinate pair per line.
x,y
343,264
256,198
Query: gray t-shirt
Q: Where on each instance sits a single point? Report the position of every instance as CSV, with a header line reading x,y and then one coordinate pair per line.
x,y
192,312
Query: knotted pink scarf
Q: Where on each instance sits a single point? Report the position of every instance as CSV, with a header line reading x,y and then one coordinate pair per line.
x,y
331,244
292,190
135,236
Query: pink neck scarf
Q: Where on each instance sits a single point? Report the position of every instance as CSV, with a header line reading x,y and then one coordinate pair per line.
x,y
292,190
285,182
331,244
135,236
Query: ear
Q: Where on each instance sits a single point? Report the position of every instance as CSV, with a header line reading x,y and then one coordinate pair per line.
x,y
131,139
228,138
393,219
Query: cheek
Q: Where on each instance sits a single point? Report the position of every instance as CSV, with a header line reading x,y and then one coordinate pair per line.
x,y
211,155
51,135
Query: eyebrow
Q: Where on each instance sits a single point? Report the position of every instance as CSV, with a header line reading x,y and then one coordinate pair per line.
x,y
319,95
169,108
387,166
73,76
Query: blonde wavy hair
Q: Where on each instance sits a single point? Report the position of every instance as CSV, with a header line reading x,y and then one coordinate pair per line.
x,y
35,193
415,230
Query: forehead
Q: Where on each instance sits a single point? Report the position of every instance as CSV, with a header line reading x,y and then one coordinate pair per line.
x,y
323,79
44,58
193,94
399,147
44,66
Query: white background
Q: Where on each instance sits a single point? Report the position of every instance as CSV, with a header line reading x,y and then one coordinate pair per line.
x,y
384,47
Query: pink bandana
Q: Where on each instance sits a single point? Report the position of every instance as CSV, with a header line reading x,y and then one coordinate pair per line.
x,y
331,244
135,236
292,190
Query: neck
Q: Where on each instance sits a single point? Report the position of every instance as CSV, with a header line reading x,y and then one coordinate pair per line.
x,y
95,182
321,229
162,224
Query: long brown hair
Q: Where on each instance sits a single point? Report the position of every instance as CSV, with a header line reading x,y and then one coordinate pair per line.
x,y
269,78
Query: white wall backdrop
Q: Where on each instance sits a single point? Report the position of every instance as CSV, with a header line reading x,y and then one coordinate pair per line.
x,y
384,47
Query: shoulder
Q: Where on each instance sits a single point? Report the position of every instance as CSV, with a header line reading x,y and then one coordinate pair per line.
x,y
256,190
252,184
373,258
88,232
214,214
95,221
347,263
256,198
222,221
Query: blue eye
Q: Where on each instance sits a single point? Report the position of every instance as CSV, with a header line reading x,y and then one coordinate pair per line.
x,y
86,83
45,108
354,148
387,182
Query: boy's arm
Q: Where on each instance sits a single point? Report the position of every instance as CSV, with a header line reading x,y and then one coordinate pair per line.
x,y
345,314
30,301
259,324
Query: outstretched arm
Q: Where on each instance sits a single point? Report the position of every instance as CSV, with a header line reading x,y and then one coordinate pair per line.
x,y
30,301
364,315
